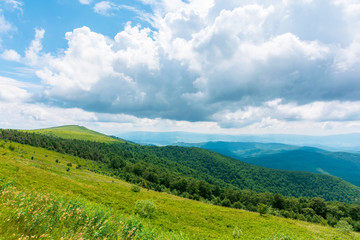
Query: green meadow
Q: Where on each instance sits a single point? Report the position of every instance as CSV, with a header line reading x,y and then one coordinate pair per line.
x,y
38,184
76,132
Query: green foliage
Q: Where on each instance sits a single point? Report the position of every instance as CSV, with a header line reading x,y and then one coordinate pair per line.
x,y
132,226
281,237
11,147
262,209
135,188
69,164
145,208
57,161
44,216
237,233
344,226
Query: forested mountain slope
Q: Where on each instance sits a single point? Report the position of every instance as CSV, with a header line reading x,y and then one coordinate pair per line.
x,y
288,157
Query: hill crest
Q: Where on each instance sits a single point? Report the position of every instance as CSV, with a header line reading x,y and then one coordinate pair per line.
x,y
76,132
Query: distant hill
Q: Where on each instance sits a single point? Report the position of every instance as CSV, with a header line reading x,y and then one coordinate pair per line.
x,y
344,142
242,149
76,132
289,157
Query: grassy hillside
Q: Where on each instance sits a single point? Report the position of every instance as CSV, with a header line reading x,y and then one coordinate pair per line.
x,y
41,174
76,132
288,157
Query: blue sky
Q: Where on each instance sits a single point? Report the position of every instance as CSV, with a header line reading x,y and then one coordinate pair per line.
x,y
206,66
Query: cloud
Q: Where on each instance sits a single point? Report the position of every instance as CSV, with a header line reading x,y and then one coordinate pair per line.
x,y
105,8
5,26
275,110
108,8
13,5
85,2
33,52
11,55
14,91
213,61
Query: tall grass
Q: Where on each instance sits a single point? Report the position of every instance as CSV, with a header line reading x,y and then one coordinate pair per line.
x,y
25,215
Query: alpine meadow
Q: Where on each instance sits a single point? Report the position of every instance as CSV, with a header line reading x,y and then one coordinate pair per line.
x,y
180,120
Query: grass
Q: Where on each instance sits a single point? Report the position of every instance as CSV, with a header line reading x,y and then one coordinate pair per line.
x,y
47,178
44,216
76,132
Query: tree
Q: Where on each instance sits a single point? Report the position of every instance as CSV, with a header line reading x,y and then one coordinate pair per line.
x,y
319,206
279,201
262,209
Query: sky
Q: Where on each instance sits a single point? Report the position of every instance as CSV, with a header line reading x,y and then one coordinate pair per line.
x,y
204,66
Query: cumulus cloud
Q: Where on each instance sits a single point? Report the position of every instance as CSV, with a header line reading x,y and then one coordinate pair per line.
x,y
222,61
11,55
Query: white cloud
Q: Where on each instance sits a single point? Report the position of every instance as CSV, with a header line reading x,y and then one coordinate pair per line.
x,y
31,116
212,62
5,26
13,5
14,91
11,55
104,8
32,53
275,110
85,2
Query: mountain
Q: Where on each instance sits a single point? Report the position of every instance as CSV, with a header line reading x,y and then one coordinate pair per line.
x,y
289,157
76,132
340,164
50,195
344,142
242,149
174,167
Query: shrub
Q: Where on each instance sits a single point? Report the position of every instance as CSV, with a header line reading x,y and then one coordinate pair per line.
x,y
69,164
262,209
344,226
237,232
135,188
131,227
145,208
57,161
280,237
12,147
